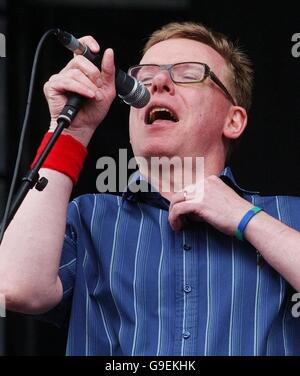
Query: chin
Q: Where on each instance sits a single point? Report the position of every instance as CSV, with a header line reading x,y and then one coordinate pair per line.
x,y
156,150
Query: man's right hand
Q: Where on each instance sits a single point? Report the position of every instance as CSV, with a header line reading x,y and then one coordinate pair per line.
x,y
83,77
39,225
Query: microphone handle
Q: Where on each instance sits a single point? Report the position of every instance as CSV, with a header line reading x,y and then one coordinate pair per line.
x,y
75,101
71,108
94,58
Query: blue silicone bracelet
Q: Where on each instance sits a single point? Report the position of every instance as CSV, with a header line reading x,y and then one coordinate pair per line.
x,y
239,232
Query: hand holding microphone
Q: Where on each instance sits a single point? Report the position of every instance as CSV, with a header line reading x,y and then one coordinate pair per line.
x,y
88,81
128,88
65,93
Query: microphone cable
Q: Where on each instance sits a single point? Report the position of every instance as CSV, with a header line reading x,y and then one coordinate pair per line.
x,y
133,93
24,128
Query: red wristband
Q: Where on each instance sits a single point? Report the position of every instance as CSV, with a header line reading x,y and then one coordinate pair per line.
x,y
67,156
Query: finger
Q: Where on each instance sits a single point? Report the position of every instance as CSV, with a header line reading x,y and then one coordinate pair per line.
x,y
85,66
65,84
177,213
91,42
77,75
189,192
108,67
178,197
177,224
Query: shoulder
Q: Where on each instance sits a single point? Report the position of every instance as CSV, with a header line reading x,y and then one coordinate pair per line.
x,y
91,199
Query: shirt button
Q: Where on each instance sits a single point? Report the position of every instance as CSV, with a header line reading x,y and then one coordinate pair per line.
x,y
187,288
186,334
187,247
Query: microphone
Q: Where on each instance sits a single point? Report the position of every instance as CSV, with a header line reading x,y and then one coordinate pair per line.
x,y
130,90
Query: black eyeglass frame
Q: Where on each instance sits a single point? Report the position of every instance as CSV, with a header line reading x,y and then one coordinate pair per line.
x,y
207,73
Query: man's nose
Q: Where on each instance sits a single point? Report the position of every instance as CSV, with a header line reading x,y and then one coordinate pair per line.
x,y
162,82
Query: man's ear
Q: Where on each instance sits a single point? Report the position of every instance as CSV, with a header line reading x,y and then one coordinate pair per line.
x,y
235,122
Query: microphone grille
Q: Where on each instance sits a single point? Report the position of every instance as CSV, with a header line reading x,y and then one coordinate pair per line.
x,y
138,97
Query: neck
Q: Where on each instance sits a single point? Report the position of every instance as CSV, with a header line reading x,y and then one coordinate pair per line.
x,y
172,175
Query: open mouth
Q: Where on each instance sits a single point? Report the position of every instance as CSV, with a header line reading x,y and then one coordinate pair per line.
x,y
160,113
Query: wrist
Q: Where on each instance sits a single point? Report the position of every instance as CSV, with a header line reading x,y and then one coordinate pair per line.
x,y
235,216
243,224
82,135
66,156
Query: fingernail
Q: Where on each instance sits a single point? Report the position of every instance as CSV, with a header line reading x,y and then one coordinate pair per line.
x,y
99,82
95,46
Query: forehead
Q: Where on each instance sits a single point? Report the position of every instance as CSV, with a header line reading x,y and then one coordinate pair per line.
x,y
177,50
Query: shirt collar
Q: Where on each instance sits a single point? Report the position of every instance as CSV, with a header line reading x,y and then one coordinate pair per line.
x,y
150,195
147,193
228,178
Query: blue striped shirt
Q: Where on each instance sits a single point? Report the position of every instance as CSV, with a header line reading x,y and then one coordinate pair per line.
x,y
135,287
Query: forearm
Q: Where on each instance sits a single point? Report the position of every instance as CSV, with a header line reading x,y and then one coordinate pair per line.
x,y
31,249
278,244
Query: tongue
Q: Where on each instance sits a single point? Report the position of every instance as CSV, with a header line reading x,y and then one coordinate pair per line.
x,y
160,120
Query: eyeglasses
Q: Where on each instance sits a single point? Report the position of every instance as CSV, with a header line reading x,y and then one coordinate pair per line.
x,y
180,73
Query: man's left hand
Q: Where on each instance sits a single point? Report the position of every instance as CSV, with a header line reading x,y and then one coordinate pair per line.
x,y
215,203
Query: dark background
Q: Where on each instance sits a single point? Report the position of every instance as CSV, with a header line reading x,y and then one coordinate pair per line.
x,y
267,157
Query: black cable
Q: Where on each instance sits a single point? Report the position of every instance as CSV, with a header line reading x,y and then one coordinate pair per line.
x,y
24,128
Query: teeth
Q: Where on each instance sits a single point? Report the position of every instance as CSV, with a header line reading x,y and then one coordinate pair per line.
x,y
160,109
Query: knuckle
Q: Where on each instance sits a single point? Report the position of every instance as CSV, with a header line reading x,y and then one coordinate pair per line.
x,y
95,74
52,78
50,84
78,60
213,178
65,82
175,210
83,65
74,75
88,40
73,72
46,87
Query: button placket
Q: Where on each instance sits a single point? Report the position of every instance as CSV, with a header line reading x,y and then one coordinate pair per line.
x,y
186,334
187,285
187,247
187,288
